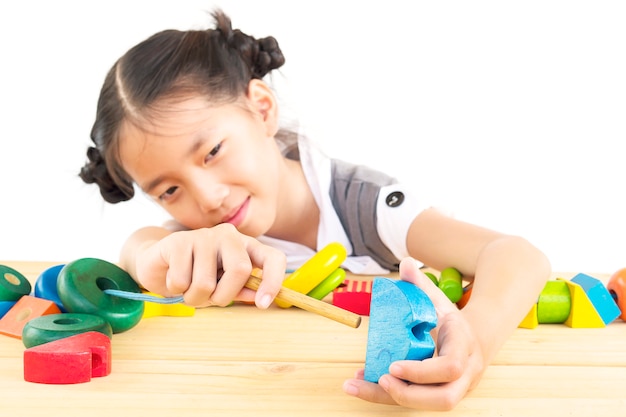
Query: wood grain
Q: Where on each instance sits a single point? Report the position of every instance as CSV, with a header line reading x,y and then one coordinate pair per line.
x,y
242,361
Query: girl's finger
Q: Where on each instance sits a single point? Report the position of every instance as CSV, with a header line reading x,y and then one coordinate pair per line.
x,y
425,397
410,272
273,263
367,391
236,267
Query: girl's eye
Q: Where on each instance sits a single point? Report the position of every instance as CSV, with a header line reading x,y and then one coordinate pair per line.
x,y
213,152
168,193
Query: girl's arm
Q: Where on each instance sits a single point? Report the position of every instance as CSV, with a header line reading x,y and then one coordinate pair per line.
x,y
508,273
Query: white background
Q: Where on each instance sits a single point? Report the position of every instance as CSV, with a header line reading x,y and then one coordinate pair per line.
x,y
510,114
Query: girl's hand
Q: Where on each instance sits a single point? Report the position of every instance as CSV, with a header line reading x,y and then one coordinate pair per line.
x,y
210,266
437,383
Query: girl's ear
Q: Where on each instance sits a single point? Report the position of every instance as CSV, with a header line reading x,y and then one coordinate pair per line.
x,y
263,102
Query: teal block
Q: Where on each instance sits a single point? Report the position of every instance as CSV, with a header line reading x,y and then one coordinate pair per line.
x,y
599,296
401,318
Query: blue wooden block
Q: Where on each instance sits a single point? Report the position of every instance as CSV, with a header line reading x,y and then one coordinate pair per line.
x,y
599,296
5,306
401,318
46,286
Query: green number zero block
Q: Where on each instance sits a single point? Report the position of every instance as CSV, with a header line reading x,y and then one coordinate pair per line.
x,y
53,327
81,286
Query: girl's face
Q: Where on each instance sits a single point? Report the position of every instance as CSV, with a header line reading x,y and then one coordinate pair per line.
x,y
207,164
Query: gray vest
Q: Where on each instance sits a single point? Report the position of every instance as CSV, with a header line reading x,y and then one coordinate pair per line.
x,y
354,191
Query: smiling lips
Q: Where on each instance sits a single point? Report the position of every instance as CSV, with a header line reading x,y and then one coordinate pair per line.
x,y
239,215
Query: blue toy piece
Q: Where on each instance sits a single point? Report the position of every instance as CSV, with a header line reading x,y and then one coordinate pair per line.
x,y
5,306
401,317
599,296
46,286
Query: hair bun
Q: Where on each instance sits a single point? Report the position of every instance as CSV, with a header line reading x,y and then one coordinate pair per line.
x,y
269,56
96,172
261,55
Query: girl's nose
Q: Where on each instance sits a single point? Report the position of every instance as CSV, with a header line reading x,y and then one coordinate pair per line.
x,y
211,196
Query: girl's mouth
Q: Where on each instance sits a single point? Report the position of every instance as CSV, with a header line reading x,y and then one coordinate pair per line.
x,y
239,215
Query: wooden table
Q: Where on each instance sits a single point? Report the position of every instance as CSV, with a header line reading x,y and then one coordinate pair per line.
x,y
242,361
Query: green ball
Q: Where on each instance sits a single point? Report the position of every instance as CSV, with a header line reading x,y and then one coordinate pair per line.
x,y
53,327
81,286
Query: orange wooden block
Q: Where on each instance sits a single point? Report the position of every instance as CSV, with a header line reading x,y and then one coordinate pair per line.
x,y
26,309
617,288
467,293
71,360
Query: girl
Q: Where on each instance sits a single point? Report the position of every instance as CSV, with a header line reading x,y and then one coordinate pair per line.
x,y
187,118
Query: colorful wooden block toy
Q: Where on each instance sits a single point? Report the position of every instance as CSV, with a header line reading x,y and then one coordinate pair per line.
x,y
46,285
451,283
71,360
24,310
81,286
5,306
530,321
401,317
154,309
13,285
617,289
328,285
599,296
53,327
555,303
553,306
354,295
583,314
314,270
581,302
467,293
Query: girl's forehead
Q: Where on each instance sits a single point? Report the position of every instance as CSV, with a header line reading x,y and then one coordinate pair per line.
x,y
167,119
145,150
178,114
182,115
172,124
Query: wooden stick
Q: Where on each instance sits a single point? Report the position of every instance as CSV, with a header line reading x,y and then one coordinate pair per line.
x,y
311,304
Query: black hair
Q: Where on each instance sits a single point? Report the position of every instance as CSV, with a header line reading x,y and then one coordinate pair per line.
x,y
217,62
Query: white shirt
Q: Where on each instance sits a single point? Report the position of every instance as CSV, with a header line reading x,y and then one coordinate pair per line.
x,y
392,224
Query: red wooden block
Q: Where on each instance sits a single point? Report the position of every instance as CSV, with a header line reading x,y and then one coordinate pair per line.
x,y
71,360
26,309
354,296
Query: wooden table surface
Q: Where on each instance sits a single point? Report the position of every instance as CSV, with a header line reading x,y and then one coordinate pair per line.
x,y
242,361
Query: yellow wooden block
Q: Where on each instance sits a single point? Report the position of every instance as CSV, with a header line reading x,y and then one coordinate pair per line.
x,y
583,314
531,320
175,310
315,270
